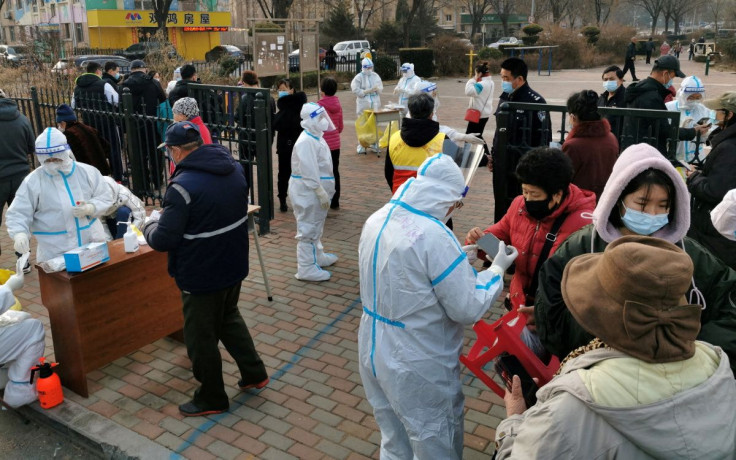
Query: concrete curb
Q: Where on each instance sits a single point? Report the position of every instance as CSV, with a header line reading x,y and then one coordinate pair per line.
x,y
98,434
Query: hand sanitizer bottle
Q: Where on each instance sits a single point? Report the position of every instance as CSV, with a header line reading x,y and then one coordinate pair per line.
x,y
130,239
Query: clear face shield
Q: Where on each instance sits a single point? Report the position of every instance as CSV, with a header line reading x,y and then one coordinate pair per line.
x,y
469,163
321,120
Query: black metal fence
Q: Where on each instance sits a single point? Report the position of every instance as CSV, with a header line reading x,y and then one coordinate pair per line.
x,y
518,132
239,118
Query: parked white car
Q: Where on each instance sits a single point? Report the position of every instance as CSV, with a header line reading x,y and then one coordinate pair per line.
x,y
347,50
504,41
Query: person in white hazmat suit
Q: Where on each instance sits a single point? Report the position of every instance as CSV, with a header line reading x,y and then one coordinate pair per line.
x,y
419,292
126,207
428,87
688,102
311,187
367,86
406,85
60,203
21,346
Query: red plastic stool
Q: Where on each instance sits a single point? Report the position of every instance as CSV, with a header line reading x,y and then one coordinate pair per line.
x,y
505,336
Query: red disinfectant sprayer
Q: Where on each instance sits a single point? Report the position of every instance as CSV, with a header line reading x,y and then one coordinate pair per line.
x,y
49,389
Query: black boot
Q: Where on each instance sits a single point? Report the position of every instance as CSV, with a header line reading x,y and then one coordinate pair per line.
x,y
282,206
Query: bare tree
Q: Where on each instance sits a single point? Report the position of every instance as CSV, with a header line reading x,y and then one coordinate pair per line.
x,y
653,7
364,9
274,9
678,10
714,6
477,9
411,14
559,9
602,9
161,13
503,9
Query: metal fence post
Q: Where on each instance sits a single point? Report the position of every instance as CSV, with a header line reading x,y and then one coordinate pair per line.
x,y
36,109
264,163
138,181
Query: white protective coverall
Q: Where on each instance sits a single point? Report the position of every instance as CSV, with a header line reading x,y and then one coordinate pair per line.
x,y
44,203
407,84
690,113
367,86
122,196
418,292
724,216
21,346
311,187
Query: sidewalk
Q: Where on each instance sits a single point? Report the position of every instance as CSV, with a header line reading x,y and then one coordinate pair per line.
x,y
314,406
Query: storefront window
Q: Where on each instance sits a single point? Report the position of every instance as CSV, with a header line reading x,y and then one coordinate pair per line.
x,y
80,32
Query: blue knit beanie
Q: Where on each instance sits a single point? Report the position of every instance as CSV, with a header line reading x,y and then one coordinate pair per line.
x,y
65,113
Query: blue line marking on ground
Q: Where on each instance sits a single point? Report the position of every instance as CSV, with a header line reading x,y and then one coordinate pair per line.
x,y
244,397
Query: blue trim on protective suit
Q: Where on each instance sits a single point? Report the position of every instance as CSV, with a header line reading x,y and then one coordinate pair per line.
x,y
71,198
449,269
316,138
489,283
375,270
424,169
320,178
383,319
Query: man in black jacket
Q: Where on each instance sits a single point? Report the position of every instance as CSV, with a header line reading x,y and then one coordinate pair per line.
x,y
613,95
147,95
95,95
527,129
14,150
650,94
204,228
181,89
630,63
112,75
649,47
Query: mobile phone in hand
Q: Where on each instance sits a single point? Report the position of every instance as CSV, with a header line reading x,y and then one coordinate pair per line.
x,y
686,165
509,365
489,244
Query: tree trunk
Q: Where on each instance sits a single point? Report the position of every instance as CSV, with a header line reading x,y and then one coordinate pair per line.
x,y
504,24
409,19
655,18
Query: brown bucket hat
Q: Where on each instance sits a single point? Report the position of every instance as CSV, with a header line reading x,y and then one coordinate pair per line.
x,y
632,297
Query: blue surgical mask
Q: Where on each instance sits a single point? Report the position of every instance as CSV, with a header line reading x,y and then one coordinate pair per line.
x,y
642,223
283,93
669,83
610,85
506,87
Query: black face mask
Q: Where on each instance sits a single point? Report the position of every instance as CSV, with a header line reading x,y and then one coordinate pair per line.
x,y
539,209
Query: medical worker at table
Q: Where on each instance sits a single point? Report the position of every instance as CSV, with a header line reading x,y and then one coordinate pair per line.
x,y
367,86
419,292
311,187
21,346
60,202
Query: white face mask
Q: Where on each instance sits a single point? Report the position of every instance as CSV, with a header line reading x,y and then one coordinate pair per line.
x,y
367,71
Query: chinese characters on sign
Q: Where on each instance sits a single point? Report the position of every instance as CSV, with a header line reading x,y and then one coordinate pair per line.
x,y
188,18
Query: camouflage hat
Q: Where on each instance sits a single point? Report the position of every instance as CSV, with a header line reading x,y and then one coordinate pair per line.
x,y
726,101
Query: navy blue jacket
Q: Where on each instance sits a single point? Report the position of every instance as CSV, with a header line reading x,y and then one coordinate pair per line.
x,y
203,224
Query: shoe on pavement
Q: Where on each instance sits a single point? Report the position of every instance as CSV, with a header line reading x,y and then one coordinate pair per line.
x,y
191,410
27,269
252,386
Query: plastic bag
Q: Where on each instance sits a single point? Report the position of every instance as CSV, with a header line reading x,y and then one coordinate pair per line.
x,y
5,274
365,128
392,128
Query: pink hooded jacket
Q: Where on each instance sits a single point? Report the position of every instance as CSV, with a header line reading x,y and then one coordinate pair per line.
x,y
334,109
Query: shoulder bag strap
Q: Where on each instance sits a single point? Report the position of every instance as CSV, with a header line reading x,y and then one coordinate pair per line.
x,y
549,240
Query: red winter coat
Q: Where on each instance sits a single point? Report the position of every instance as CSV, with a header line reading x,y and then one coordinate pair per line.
x,y
527,234
334,110
593,150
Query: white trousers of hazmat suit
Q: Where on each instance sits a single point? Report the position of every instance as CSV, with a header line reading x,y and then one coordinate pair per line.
x,y
21,346
418,292
43,207
311,171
